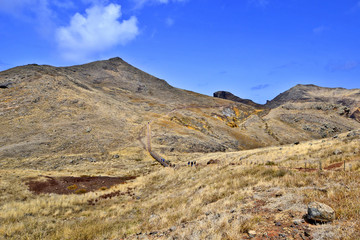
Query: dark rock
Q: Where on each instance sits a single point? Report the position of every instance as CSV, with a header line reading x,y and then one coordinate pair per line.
x,y
307,233
5,85
278,224
116,156
212,161
232,97
282,235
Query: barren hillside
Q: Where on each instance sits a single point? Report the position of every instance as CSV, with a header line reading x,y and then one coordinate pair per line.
x,y
73,163
102,108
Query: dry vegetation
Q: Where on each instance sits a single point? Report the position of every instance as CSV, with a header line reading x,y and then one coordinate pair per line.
x,y
248,190
88,120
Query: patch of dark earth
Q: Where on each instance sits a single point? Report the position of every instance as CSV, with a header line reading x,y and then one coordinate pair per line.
x,y
74,185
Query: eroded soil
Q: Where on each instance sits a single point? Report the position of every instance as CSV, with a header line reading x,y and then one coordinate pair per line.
x,y
70,185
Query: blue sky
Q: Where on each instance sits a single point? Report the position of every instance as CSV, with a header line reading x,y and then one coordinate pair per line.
x,y
252,48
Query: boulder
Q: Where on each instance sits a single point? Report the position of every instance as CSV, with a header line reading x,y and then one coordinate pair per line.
x,y
320,212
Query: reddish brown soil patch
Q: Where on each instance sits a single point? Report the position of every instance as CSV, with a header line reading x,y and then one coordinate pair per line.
x,y
69,185
335,165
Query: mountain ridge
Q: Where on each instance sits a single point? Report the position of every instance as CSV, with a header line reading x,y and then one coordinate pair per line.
x,y
101,108
305,93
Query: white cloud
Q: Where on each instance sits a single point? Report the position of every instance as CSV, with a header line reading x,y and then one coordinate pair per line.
x,y
96,31
141,3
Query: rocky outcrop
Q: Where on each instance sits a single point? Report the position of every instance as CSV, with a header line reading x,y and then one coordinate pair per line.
x,y
232,97
356,115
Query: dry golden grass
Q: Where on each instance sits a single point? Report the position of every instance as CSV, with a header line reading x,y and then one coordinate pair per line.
x,y
197,201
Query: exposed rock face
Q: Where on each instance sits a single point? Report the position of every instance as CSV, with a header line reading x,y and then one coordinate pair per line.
x,y
320,212
232,97
356,115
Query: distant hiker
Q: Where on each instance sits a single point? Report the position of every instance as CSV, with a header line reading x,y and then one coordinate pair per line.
x,y
188,163
195,163
192,163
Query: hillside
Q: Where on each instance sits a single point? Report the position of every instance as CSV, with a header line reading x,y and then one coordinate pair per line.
x,y
307,112
312,93
73,163
102,108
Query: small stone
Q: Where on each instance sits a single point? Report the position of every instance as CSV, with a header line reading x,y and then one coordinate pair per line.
x,y
282,235
116,156
232,211
320,212
307,233
88,129
296,222
278,224
252,233
172,229
337,152
278,194
207,213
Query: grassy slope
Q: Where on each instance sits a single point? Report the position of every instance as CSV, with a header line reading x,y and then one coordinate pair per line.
x,y
197,202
